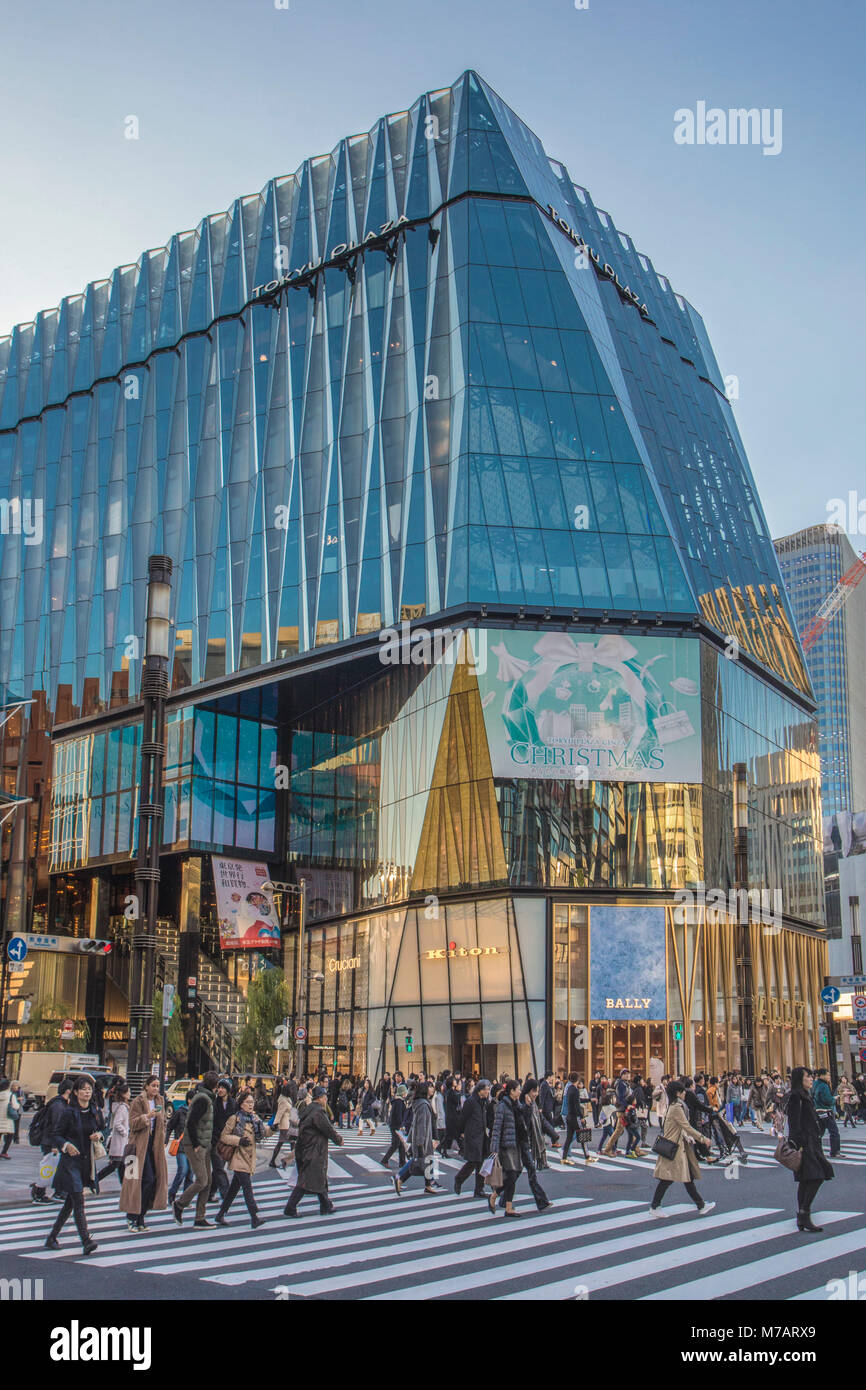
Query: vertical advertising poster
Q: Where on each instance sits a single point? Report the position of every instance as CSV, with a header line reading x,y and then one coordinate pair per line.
x,y
627,969
620,708
247,916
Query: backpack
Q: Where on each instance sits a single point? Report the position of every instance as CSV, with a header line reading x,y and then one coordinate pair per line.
x,y
37,1126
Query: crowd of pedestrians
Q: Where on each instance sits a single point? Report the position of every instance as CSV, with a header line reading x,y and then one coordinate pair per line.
x,y
499,1130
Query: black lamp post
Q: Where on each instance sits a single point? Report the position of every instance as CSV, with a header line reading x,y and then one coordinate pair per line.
x,y
745,986
154,689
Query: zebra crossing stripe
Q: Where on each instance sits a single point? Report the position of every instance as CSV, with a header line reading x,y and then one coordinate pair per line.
x,y
338,1252
663,1263
110,1226
354,1222
117,1246
853,1282
576,1256
370,1165
560,1227
773,1266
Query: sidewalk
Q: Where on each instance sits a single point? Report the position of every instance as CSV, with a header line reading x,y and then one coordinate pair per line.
x,y
22,1167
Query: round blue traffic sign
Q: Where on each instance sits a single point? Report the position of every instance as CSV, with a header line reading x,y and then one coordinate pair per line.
x,y
17,948
830,994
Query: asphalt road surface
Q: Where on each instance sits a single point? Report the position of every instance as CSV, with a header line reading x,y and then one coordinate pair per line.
x,y
597,1241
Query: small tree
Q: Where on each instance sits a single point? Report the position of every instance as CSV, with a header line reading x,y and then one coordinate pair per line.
x,y
268,1004
45,1020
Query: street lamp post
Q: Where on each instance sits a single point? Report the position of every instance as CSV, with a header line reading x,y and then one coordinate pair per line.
x,y
300,1010
299,976
745,986
154,690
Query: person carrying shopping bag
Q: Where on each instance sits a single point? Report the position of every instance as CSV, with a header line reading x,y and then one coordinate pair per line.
x,y
118,1135
237,1148
78,1135
283,1118
508,1137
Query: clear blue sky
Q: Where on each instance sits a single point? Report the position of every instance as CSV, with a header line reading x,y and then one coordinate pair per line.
x,y
232,92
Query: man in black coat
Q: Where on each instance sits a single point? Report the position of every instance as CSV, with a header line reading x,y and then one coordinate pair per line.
x,y
573,1116
396,1119
223,1108
546,1098
53,1112
311,1155
475,1123
453,1106
697,1109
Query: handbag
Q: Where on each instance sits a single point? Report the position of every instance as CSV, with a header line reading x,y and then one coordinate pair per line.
x,y
491,1171
47,1169
665,1148
130,1167
174,1148
225,1151
584,1136
98,1150
788,1155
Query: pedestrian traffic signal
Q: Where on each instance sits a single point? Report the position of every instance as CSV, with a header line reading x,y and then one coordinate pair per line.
x,y
409,1043
678,1032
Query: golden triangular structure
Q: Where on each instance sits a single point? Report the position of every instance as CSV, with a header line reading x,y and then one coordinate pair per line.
x,y
461,840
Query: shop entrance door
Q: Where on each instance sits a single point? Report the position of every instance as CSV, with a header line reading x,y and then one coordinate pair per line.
x,y
466,1047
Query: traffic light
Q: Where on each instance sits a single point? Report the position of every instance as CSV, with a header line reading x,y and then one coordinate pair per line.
x,y
409,1042
678,1032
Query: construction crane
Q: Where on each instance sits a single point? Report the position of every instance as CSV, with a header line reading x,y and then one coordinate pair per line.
x,y
833,602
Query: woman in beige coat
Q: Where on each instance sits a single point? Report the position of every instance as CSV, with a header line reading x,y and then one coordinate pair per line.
x,y
148,1189
241,1133
683,1166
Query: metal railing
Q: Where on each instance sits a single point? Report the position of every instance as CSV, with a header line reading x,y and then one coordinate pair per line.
x,y
216,1039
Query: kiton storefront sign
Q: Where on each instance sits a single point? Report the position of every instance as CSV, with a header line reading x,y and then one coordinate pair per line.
x,y
452,950
601,266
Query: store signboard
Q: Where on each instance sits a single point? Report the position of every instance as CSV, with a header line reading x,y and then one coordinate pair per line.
x,y
610,708
247,916
627,964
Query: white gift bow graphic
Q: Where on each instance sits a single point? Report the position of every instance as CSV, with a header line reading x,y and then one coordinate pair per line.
x,y
558,649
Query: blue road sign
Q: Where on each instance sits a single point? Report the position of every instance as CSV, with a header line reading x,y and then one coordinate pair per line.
x,y
17,948
830,994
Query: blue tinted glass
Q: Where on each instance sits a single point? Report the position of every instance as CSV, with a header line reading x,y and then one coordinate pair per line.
x,y
204,730
248,751
226,741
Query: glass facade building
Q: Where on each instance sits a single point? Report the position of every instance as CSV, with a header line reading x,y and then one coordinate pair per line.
x,y
812,564
475,609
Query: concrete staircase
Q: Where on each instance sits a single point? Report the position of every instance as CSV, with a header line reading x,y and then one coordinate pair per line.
x,y
214,987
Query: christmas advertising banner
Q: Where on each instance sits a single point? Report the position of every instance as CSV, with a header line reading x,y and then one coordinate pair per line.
x,y
601,709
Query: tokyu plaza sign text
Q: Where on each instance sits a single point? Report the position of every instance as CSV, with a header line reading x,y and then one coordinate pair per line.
x,y
601,266
339,254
